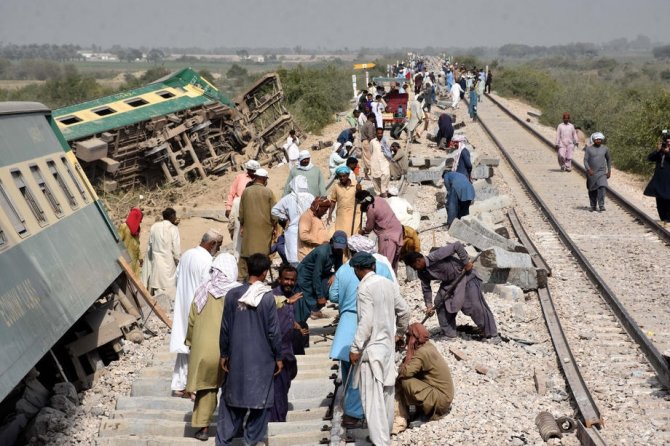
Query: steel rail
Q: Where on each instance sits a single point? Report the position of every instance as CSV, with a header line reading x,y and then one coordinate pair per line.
x,y
587,407
662,233
655,358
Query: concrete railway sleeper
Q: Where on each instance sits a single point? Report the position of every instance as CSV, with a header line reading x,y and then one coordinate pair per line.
x,y
615,369
150,415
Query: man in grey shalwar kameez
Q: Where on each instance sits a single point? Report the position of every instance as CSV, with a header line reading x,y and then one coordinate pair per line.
x,y
598,165
442,265
250,345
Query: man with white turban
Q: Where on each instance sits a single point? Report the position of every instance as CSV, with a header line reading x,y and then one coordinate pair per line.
x,y
361,243
192,271
204,372
598,165
305,168
289,209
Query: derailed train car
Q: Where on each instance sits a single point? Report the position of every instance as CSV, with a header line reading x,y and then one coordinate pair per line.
x,y
175,129
60,279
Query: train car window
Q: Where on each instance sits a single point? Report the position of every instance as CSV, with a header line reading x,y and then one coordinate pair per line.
x,y
34,206
165,94
63,186
69,120
103,111
44,187
10,210
74,179
136,102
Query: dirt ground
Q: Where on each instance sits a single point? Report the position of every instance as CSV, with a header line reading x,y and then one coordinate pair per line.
x,y
210,194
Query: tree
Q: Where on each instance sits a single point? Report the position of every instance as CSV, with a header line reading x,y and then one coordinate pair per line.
x,y
661,52
155,55
237,72
242,54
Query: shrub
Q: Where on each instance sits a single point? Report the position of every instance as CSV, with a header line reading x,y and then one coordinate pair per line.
x,y
315,94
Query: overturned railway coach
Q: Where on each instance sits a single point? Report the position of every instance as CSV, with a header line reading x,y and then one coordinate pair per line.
x,y
175,129
58,248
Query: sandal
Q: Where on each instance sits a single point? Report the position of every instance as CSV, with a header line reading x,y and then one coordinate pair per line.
x,y
202,434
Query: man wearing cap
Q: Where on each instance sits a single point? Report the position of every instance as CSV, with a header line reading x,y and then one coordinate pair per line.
x,y
256,219
316,273
566,140
383,318
192,271
315,181
233,203
343,196
598,165
343,292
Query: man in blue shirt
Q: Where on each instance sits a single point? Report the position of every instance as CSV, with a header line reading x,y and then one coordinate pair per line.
x,y
343,291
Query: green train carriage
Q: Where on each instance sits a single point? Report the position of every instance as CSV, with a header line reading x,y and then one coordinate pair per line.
x,y
58,248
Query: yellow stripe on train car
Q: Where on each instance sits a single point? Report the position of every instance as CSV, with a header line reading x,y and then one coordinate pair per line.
x,y
122,106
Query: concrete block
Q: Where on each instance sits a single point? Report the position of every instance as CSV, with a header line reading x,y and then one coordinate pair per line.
x,y
491,204
496,257
524,278
309,388
509,292
289,427
481,172
470,230
308,403
109,185
298,438
153,440
484,189
492,161
140,427
91,149
168,403
110,165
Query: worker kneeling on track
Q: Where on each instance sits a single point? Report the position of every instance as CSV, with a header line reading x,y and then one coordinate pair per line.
x,y
466,295
424,380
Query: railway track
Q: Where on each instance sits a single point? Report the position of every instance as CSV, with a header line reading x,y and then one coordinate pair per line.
x,y
615,339
149,416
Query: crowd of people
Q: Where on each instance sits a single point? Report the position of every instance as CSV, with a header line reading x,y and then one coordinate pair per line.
x,y
237,328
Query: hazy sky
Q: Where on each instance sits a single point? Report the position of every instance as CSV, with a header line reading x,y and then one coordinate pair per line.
x,y
329,23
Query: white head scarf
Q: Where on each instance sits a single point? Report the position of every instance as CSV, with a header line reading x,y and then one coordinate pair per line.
x,y
222,278
300,192
304,154
361,243
462,141
597,135
255,293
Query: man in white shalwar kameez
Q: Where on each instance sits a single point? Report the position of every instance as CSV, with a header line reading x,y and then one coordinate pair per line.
x,y
289,209
456,91
193,270
159,273
383,317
